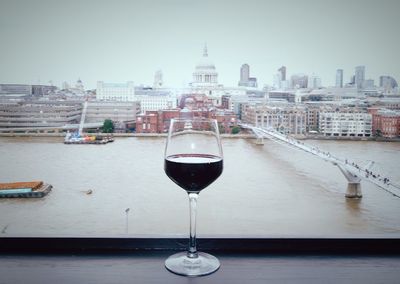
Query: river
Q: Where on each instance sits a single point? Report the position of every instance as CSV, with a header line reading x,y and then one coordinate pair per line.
x,y
268,191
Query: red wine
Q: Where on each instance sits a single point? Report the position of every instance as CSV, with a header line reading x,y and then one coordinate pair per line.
x,y
193,172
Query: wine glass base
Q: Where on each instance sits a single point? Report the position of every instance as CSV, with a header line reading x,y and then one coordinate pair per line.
x,y
181,264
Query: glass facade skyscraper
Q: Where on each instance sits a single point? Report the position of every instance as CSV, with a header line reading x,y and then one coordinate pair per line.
x,y
339,78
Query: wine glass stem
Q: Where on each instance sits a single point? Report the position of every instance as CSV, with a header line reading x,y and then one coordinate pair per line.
x,y
192,253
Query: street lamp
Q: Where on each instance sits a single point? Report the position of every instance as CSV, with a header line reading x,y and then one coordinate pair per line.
x,y
127,220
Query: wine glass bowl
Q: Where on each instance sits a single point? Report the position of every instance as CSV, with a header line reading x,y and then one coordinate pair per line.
x,y
193,160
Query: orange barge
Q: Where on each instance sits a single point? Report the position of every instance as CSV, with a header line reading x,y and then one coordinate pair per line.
x,y
24,189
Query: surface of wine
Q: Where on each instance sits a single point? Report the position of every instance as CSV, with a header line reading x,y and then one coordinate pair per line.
x,y
193,172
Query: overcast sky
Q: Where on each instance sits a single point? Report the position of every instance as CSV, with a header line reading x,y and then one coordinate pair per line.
x,y
118,41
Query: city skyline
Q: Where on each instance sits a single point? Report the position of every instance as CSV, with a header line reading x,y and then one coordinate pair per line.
x,y
130,40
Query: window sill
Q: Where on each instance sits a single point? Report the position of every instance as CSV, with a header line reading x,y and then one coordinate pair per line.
x,y
297,246
243,260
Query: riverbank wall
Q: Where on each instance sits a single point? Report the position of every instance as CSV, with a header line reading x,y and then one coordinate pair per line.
x,y
115,135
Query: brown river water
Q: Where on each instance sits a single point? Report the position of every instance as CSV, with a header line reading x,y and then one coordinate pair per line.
x,y
266,191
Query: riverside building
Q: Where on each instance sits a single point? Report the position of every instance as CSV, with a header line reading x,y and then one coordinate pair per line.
x,y
39,114
289,119
345,123
385,122
123,114
158,121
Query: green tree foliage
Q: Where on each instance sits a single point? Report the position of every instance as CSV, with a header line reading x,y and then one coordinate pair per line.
x,y
235,130
108,126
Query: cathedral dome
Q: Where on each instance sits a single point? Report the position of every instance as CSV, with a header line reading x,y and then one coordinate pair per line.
x,y
205,73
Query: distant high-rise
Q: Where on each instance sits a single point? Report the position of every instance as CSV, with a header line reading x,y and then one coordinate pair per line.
x,y
359,76
367,84
158,79
387,82
299,81
282,70
245,79
244,73
314,82
352,80
339,78
277,81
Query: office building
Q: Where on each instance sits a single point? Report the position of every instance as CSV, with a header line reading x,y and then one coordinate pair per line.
x,y
282,71
368,84
15,89
287,119
245,79
158,79
314,82
121,113
388,83
299,81
359,76
339,78
39,114
345,123
115,91
27,90
244,74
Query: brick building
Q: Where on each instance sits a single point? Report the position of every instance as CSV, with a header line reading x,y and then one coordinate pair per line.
x,y
155,121
385,122
158,121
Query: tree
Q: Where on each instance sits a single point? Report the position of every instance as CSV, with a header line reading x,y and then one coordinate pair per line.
x,y
108,126
235,130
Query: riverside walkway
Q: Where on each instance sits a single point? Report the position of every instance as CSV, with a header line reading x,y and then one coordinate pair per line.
x,y
353,172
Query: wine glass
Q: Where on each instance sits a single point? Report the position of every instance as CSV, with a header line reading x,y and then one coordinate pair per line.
x,y
193,160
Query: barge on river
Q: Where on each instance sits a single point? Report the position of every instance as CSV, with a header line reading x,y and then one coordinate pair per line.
x,y
33,189
76,138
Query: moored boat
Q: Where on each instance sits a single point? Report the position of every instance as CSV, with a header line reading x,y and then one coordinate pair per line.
x,y
32,189
76,138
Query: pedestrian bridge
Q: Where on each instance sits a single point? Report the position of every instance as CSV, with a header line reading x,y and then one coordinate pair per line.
x,y
353,172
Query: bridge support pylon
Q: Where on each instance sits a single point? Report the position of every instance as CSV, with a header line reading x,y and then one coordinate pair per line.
x,y
353,190
354,185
